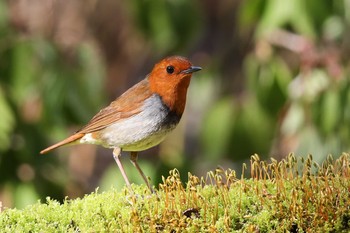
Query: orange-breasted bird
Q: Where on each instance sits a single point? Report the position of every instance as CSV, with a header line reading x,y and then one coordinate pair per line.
x,y
141,117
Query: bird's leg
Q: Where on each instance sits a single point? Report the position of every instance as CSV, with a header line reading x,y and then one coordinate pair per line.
x,y
133,159
116,155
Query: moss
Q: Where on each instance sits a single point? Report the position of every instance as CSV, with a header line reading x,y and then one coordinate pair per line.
x,y
278,197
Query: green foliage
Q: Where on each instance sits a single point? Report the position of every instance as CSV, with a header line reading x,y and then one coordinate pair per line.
x,y
291,195
278,14
161,24
296,83
40,92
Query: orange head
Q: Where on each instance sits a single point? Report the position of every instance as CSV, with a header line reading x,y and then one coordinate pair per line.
x,y
170,79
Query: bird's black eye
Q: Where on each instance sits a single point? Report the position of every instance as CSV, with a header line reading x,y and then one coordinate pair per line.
x,y
170,69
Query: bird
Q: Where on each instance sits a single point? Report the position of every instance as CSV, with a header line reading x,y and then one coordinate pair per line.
x,y
142,116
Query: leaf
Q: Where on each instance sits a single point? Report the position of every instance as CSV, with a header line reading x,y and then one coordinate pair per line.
x,y
330,111
293,120
7,122
282,13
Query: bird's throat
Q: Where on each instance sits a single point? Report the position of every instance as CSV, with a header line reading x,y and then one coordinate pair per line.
x,y
173,94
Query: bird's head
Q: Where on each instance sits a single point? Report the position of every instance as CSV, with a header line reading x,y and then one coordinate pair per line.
x,y
170,79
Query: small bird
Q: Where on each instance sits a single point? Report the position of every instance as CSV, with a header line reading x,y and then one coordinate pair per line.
x,y
141,117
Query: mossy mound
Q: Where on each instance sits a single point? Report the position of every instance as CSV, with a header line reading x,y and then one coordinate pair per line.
x,y
294,195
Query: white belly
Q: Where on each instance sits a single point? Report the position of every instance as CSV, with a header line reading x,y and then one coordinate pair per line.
x,y
139,132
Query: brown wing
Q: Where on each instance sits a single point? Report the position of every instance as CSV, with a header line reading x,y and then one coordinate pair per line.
x,y
125,106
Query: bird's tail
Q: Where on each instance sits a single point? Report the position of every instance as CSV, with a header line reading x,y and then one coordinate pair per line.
x,y
66,141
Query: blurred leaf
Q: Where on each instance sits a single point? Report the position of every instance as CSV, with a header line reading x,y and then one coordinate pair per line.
x,y
84,90
252,132
330,111
72,93
345,98
286,13
294,119
168,24
7,122
25,194
217,127
24,72
92,75
249,12
319,11
308,87
333,28
268,82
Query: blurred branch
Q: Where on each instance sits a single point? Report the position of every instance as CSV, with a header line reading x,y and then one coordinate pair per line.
x,y
310,55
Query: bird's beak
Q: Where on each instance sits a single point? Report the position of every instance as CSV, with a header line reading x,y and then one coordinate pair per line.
x,y
191,70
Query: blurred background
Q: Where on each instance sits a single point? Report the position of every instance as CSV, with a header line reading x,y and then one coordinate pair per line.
x,y
274,81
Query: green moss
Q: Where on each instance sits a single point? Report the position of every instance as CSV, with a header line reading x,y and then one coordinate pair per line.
x,y
278,197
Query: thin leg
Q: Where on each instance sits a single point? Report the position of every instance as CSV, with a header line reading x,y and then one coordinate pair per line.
x,y
133,159
116,156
